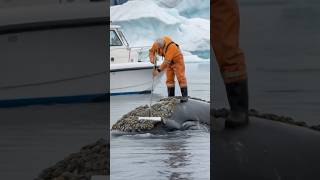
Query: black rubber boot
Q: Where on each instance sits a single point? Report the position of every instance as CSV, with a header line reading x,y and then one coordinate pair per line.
x,y
171,91
184,93
238,100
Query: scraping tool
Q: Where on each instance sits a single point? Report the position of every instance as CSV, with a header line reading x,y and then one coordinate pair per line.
x,y
150,104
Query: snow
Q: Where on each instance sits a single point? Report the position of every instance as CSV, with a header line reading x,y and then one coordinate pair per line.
x,y
189,8
139,9
143,21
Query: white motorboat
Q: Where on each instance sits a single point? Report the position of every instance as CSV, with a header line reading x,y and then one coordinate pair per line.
x,y
52,53
130,71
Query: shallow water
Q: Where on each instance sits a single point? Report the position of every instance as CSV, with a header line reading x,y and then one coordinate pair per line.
x,y
176,155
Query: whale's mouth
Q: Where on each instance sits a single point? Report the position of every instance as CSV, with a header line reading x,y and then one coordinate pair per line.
x,y
194,125
191,125
173,125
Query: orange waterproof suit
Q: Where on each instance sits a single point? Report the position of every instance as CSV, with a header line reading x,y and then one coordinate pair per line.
x,y
173,61
225,27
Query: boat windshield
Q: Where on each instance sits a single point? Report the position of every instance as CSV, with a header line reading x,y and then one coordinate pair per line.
x,y
114,39
123,37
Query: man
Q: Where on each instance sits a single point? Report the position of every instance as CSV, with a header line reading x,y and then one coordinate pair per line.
x,y
173,63
225,26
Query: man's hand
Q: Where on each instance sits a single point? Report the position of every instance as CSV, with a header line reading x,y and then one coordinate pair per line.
x,y
155,72
151,57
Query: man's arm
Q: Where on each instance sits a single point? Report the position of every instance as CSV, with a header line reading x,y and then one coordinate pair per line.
x,y
152,53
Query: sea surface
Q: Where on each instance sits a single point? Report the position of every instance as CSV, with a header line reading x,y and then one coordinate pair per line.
x,y
175,155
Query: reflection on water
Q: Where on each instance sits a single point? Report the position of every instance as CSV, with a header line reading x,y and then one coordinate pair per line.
x,y
177,158
176,155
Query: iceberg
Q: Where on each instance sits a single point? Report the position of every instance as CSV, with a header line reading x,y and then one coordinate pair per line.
x,y
143,21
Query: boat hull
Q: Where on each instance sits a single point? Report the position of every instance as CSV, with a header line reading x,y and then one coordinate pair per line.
x,y
48,59
132,78
54,65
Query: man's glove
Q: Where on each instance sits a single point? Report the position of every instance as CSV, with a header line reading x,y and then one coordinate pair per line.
x,y
156,72
152,59
151,56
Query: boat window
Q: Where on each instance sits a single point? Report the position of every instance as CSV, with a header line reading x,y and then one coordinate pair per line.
x,y
114,39
123,37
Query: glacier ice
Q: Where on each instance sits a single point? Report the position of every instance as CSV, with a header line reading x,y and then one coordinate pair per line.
x,y
142,21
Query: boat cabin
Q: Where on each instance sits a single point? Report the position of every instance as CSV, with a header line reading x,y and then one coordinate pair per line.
x,y
120,51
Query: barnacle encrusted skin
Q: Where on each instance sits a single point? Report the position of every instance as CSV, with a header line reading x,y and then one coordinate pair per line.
x,y
130,123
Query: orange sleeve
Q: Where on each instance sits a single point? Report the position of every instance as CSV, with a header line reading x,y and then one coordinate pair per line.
x,y
152,52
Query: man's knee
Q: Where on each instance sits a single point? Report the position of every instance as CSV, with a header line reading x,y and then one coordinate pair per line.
x,y
170,82
234,69
182,81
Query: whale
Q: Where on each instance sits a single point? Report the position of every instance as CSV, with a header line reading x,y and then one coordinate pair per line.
x,y
264,150
189,115
193,114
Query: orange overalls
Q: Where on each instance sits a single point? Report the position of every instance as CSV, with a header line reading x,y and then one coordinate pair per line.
x,y
225,27
173,62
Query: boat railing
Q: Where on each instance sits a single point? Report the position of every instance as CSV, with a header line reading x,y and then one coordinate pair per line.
x,y
138,53
142,51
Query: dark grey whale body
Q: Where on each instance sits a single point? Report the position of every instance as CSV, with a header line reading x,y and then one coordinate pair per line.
x,y
188,114
265,150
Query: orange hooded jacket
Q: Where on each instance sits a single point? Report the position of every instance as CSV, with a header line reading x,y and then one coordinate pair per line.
x,y
170,52
173,61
